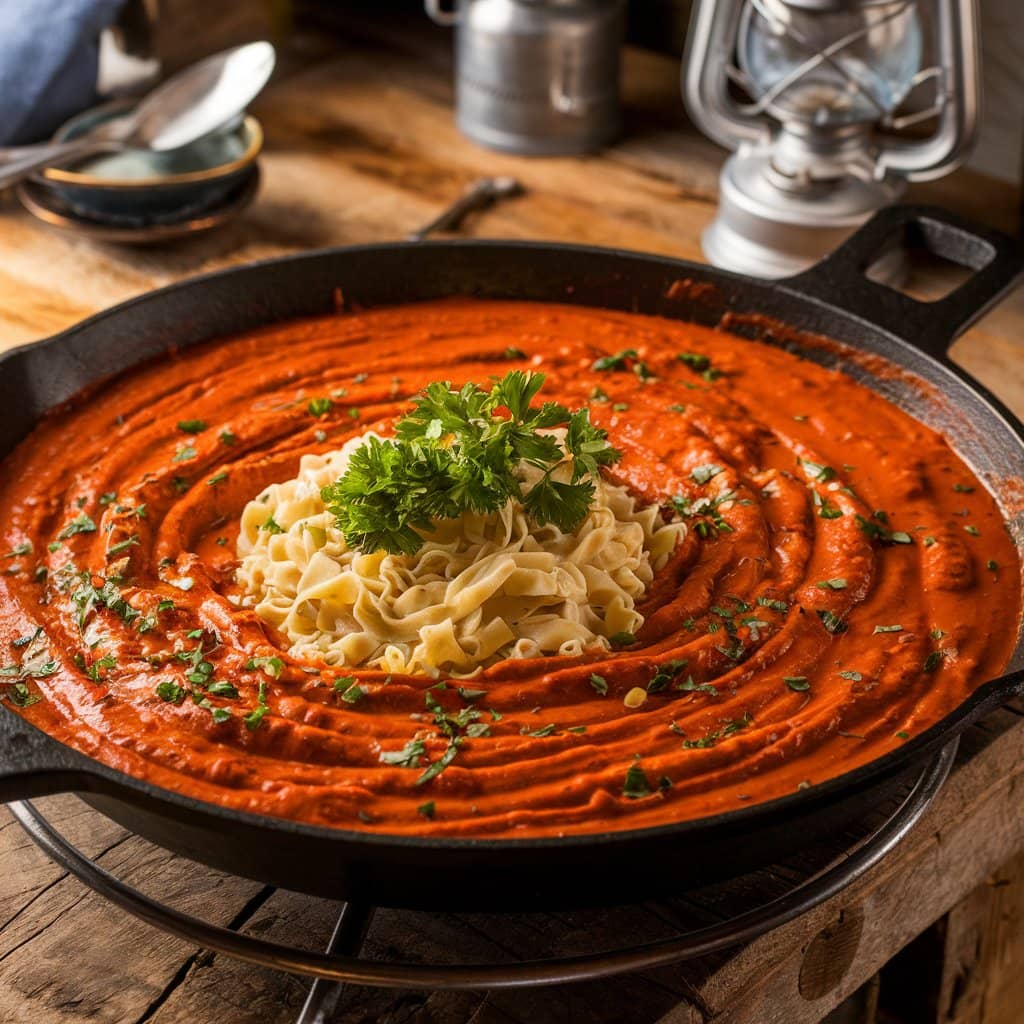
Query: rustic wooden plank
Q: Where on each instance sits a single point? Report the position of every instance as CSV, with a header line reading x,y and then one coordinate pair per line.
x,y
68,955
982,982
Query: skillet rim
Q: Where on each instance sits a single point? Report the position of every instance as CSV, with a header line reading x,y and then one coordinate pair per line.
x,y
113,782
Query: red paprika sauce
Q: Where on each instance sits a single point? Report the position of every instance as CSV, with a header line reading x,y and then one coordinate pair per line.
x,y
845,583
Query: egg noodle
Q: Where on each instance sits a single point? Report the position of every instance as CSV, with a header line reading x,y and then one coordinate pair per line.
x,y
481,588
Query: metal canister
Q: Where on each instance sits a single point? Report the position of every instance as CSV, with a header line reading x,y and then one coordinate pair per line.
x,y
539,77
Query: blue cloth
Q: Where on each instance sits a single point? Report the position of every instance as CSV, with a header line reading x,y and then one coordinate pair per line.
x,y
49,53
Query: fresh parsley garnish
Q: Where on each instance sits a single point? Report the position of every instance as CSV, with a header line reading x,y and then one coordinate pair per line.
x,y
702,474
271,525
170,692
270,666
319,406
636,785
815,471
876,532
836,583
349,689
832,622
454,453
254,719
80,524
619,361
408,757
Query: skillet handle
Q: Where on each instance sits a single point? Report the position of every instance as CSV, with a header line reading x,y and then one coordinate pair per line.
x,y
34,764
996,259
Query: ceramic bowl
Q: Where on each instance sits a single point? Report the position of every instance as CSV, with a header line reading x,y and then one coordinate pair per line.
x,y
138,186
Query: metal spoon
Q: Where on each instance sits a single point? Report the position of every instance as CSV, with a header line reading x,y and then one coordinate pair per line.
x,y
481,193
194,102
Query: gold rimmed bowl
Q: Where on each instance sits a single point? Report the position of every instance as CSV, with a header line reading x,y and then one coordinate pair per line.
x,y
136,187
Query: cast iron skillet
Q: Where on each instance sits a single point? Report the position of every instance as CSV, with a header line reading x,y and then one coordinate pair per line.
x,y
833,299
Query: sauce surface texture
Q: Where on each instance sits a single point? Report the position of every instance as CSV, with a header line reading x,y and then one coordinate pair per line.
x,y
845,581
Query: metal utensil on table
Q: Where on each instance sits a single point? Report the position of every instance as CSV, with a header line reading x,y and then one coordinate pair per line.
x,y
191,104
481,193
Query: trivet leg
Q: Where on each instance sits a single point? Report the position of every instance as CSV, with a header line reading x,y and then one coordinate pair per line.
x,y
349,932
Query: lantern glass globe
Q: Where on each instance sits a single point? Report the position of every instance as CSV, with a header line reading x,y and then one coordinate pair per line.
x,y
861,81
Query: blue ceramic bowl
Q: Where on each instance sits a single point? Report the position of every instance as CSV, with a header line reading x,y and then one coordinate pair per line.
x,y
138,186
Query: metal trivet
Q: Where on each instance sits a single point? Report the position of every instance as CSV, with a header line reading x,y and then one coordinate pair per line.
x,y
341,963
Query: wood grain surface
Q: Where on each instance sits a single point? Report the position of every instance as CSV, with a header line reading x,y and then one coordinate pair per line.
x,y
361,147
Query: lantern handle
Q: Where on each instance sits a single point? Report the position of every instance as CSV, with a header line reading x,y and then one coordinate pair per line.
x,y
958,81
704,78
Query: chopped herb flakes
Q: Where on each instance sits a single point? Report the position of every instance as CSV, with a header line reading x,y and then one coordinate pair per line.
x,y
797,683
619,361
832,622
838,583
349,689
170,692
192,426
438,766
271,525
319,406
547,730
270,666
876,532
888,629
408,757
636,785
599,683
80,524
727,730
254,719
702,474
815,471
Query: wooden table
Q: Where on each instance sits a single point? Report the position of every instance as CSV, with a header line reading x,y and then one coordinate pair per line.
x,y
360,147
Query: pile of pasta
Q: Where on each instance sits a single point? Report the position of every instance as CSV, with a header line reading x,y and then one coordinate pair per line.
x,y
480,589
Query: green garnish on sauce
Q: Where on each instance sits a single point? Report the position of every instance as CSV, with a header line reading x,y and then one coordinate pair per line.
x,y
455,453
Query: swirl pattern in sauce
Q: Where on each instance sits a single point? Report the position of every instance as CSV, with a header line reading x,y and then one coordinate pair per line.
x,y
845,583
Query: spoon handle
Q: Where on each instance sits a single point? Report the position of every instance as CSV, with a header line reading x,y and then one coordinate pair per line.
x,y
26,159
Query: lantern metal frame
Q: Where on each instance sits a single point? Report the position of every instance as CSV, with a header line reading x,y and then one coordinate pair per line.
x,y
794,189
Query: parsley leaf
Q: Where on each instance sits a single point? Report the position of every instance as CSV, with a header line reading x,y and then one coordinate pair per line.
x,y
454,453
636,785
80,524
